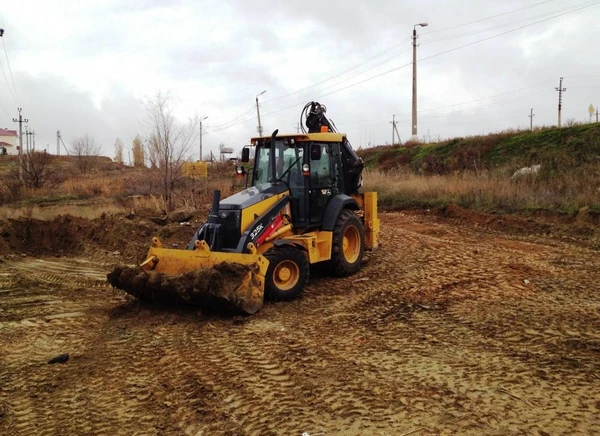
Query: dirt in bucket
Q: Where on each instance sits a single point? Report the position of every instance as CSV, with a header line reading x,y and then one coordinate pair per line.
x,y
229,287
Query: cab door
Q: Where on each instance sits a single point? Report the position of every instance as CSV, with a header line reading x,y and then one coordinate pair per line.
x,y
322,185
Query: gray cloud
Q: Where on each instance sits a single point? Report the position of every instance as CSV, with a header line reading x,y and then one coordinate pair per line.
x,y
86,69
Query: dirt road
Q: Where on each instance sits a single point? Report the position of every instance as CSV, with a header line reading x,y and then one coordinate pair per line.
x,y
448,329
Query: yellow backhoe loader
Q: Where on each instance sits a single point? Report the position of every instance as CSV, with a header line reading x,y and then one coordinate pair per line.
x,y
303,207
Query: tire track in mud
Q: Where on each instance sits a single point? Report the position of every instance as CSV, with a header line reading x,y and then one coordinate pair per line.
x,y
502,291
72,272
447,328
52,309
452,276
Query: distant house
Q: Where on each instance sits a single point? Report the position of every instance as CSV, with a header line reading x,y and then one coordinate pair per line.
x,y
8,141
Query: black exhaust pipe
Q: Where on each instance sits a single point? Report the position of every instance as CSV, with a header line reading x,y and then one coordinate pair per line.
x,y
213,217
210,230
273,162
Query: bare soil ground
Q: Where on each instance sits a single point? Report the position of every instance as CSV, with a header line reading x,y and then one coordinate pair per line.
x,y
455,326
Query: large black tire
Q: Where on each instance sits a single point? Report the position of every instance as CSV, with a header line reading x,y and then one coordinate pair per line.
x,y
287,273
348,244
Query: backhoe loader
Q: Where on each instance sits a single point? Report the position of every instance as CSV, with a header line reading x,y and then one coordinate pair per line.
x,y
303,207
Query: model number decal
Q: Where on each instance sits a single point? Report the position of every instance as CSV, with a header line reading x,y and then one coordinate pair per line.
x,y
256,231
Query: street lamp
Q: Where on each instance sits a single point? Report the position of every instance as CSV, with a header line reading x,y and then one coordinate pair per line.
x,y
260,131
201,119
414,81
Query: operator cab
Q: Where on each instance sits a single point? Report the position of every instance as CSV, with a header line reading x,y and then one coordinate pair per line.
x,y
310,165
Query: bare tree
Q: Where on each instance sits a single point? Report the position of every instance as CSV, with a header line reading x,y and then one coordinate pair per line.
x,y
169,144
152,151
138,152
40,171
119,151
85,150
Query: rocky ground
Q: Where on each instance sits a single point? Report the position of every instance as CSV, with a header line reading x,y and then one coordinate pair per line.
x,y
458,324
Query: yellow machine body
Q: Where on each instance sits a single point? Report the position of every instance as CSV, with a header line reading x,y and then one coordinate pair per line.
x,y
260,218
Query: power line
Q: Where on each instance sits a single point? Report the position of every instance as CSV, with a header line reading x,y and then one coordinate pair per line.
x,y
585,6
10,69
340,74
456,48
499,26
233,121
363,72
484,98
426,115
498,103
4,108
8,84
395,46
486,18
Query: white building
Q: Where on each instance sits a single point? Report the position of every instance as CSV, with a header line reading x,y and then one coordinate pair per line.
x,y
8,140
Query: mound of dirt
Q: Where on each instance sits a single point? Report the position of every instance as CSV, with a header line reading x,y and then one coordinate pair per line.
x,y
69,235
582,227
216,288
59,236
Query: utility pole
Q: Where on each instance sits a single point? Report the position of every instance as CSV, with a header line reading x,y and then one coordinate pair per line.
x,y
20,121
58,143
260,129
393,123
34,140
28,134
201,119
596,113
414,81
397,135
531,115
560,90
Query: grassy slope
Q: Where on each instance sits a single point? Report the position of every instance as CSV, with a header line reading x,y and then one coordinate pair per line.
x,y
571,146
475,172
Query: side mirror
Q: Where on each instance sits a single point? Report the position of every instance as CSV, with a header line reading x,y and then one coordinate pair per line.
x,y
246,154
315,152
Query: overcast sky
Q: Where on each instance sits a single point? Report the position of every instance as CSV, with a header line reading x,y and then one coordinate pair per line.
x,y
86,66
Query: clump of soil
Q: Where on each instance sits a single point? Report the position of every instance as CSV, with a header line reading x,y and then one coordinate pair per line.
x,y
216,288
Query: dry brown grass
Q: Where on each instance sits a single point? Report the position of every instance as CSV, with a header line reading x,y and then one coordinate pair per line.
x,y
93,185
487,190
122,189
89,211
112,190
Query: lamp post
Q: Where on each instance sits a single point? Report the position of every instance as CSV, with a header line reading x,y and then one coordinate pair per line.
x,y
260,130
414,81
201,119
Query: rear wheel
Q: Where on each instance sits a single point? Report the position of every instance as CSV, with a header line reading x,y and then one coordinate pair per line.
x,y
287,273
348,244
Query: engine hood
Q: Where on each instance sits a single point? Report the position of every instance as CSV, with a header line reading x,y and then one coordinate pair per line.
x,y
250,196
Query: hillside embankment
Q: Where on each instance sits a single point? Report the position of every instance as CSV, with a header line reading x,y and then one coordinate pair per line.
x,y
479,173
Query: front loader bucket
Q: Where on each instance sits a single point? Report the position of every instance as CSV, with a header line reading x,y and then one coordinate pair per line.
x,y
201,277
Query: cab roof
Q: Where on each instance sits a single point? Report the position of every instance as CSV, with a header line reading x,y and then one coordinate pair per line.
x,y
306,137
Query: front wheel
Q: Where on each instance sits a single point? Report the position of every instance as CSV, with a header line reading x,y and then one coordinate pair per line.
x,y
348,244
287,273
